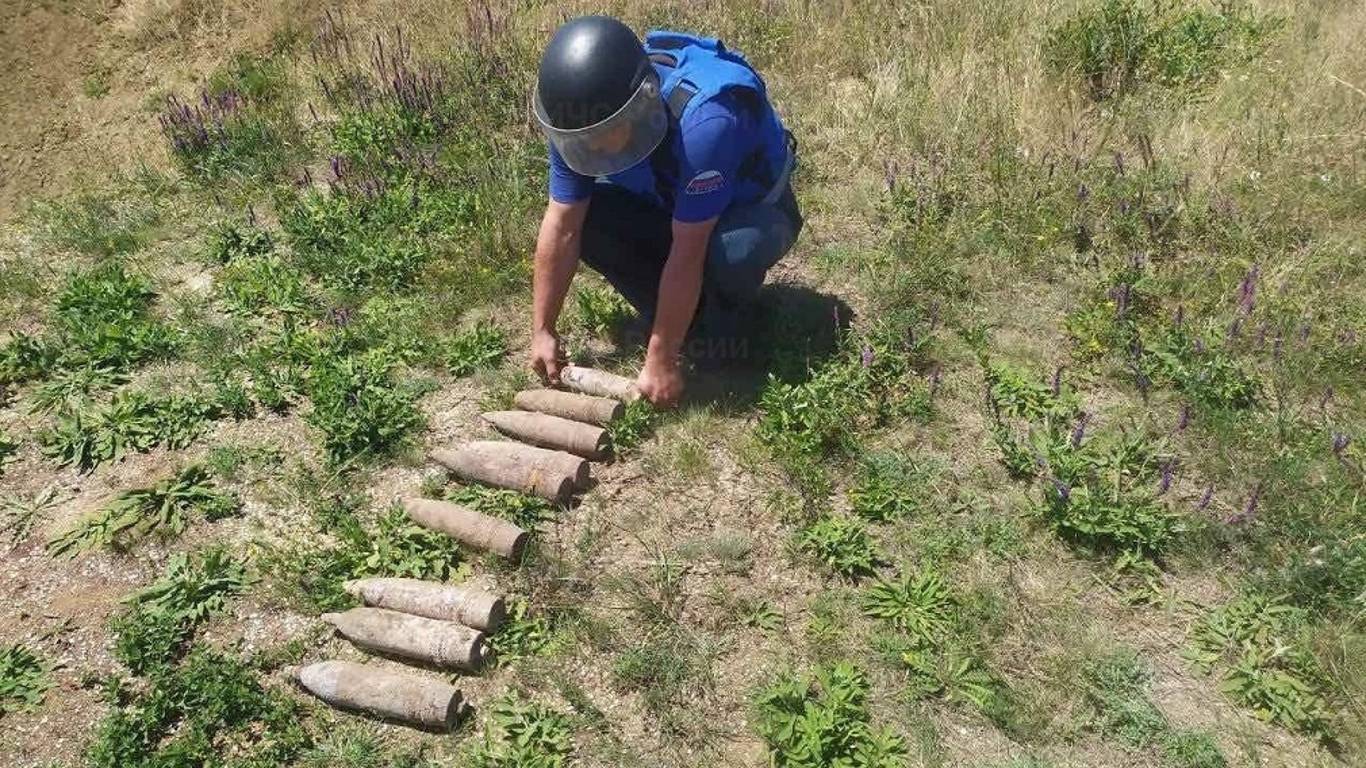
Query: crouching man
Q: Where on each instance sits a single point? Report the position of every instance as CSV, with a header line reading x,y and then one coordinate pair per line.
x,y
669,175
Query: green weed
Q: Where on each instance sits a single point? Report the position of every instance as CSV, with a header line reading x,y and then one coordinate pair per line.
x,y
1192,749
841,544
165,508
358,408
870,382
760,615
105,320
481,347
889,487
919,604
25,357
1258,645
230,240
1119,45
1117,691
70,388
822,720
185,715
600,309
24,679
263,286
523,734
522,634
528,512
161,618
635,425
20,515
8,447
314,576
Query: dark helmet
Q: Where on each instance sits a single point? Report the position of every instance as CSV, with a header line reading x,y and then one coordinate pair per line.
x,y
597,96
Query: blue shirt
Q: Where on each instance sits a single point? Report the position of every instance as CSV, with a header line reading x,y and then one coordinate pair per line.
x,y
696,163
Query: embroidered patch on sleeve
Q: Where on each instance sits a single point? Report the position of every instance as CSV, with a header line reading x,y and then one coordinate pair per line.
x,y
704,182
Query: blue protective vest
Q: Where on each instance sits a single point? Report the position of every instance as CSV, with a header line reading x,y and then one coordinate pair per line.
x,y
694,70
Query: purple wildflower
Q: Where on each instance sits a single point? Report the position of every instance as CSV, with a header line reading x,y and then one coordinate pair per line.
x,y
1079,431
1340,443
1184,420
1205,499
1305,330
1247,290
1083,191
935,374
867,356
1057,381
1179,318
1235,328
1063,489
1166,483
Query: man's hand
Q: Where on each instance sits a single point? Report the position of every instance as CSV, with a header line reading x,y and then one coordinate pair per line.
x,y
661,382
546,356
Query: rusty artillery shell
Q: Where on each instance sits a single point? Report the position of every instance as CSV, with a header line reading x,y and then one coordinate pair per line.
x,y
447,602
403,698
591,381
469,527
570,405
551,432
439,643
553,475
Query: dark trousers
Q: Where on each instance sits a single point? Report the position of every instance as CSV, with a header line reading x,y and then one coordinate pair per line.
x,y
626,239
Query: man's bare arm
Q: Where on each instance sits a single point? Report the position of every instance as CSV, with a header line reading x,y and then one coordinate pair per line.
x,y
556,259
680,285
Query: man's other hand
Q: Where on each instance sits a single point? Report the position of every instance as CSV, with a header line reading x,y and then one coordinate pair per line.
x,y
661,382
546,356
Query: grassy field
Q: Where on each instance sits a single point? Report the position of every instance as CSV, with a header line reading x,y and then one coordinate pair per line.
x,y
1047,450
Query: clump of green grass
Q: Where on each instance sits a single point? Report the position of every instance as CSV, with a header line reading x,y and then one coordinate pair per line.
x,y
165,508
1258,645
232,239
87,436
313,575
919,604
521,734
358,408
266,285
1116,689
1117,46
600,310
183,716
889,487
841,544
809,721
161,618
24,679
1192,749
526,511
523,634
104,319
635,425
107,222
480,348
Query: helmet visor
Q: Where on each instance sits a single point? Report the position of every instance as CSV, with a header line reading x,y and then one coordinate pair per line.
x,y
614,144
